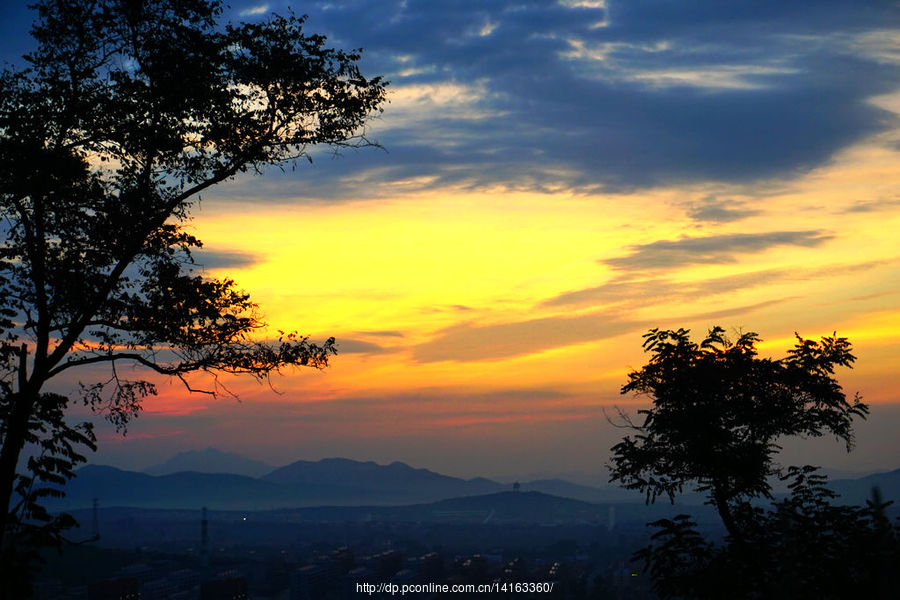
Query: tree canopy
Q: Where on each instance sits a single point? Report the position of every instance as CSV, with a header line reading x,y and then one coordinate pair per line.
x,y
718,411
127,111
717,414
802,547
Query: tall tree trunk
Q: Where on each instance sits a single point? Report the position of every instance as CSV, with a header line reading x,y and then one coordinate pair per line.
x,y
727,516
13,443
22,403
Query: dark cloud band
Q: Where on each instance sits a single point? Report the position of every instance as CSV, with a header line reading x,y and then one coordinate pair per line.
x,y
643,93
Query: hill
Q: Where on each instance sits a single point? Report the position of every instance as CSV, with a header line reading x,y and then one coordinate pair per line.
x,y
396,482
221,491
857,491
210,460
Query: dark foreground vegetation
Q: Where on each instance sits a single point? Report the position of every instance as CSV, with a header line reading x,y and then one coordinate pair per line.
x,y
717,415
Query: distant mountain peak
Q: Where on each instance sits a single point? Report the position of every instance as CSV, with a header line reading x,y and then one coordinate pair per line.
x,y
210,460
346,471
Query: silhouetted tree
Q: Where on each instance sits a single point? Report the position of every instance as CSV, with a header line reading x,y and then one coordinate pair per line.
x,y
718,410
127,110
803,547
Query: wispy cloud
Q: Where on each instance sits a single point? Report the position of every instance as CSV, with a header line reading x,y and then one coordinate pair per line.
x,y
471,342
437,407
873,206
644,292
352,346
715,249
648,291
385,333
254,11
468,342
224,259
720,211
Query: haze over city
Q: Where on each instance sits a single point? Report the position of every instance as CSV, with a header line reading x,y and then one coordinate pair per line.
x,y
556,179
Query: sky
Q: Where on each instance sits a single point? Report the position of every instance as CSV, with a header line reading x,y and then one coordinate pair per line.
x,y
556,178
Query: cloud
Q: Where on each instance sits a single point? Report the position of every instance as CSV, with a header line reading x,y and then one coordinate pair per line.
x,y
468,342
715,249
645,292
471,342
253,11
636,293
873,206
224,259
735,311
661,93
719,211
117,438
445,406
387,333
712,77
351,346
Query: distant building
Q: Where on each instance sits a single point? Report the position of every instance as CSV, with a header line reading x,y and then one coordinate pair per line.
x,y
314,581
348,585
185,579
430,567
515,570
343,560
124,588
473,569
140,571
385,564
233,588
158,589
204,538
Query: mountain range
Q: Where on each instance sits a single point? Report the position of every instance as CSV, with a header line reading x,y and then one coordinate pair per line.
x,y
213,480
211,460
338,482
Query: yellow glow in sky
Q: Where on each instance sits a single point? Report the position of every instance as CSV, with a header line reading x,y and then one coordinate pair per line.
x,y
455,290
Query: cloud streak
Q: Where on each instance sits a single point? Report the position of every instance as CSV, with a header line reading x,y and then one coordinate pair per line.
x,y
644,292
254,11
352,346
469,342
713,210
224,259
714,249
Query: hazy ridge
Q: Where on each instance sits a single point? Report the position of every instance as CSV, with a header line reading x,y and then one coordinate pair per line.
x,y
343,482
